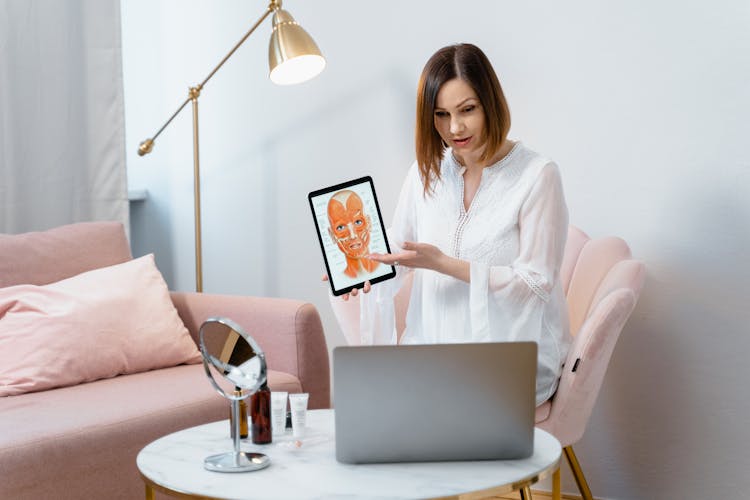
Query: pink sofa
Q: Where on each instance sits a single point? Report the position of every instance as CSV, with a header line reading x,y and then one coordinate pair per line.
x,y
82,441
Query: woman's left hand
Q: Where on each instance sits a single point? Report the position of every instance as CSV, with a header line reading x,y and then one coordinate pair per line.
x,y
418,255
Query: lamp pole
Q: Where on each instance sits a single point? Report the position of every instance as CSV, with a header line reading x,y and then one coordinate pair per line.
x,y
194,93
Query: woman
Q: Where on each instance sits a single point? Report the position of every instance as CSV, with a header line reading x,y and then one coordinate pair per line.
x,y
481,224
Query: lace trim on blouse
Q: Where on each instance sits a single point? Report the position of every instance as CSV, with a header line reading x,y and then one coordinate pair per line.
x,y
533,284
465,215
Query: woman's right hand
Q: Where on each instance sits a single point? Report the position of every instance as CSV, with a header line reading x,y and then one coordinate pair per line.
x,y
354,291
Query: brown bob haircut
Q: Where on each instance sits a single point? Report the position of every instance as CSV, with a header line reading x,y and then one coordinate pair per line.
x,y
468,63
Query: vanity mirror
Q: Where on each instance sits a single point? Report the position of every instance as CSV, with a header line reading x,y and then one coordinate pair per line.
x,y
232,354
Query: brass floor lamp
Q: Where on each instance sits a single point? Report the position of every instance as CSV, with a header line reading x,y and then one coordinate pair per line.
x,y
293,57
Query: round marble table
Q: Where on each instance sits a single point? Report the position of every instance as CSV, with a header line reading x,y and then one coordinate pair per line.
x,y
174,464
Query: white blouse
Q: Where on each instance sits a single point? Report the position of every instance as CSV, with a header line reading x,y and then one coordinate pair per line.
x,y
513,235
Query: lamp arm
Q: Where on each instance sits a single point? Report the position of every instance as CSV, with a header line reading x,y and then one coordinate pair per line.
x,y
152,139
273,5
147,145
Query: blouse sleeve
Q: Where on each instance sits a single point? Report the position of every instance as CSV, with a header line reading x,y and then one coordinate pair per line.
x,y
543,229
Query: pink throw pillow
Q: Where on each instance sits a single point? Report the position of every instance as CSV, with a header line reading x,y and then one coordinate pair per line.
x,y
98,324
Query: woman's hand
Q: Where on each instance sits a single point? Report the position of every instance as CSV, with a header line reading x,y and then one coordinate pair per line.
x,y
425,256
354,291
418,255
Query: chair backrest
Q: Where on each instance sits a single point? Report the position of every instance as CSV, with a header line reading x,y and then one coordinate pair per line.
x,y
602,284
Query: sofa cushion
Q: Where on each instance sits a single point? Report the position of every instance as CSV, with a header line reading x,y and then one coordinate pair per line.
x,y
109,321
43,257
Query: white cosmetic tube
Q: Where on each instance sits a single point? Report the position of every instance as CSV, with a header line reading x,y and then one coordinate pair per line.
x,y
278,411
298,404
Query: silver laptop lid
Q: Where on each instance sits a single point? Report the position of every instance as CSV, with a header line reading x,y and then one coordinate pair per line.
x,y
437,402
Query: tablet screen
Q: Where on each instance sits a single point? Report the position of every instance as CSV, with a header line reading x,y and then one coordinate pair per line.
x,y
349,225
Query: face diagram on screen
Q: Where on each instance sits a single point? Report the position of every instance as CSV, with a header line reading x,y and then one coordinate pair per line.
x,y
349,226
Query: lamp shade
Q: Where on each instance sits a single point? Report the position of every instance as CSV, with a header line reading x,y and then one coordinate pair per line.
x,y
293,56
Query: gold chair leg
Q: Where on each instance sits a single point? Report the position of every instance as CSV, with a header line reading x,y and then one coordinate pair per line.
x,y
575,467
525,493
556,489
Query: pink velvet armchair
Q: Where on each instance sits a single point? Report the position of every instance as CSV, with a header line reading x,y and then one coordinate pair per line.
x,y
602,284
81,441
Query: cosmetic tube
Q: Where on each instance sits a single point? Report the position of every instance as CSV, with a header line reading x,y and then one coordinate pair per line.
x,y
298,403
278,411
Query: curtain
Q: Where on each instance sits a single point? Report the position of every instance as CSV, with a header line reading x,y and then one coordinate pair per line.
x,y
62,134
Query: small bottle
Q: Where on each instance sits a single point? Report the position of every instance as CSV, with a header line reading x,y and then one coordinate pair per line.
x,y
260,415
243,416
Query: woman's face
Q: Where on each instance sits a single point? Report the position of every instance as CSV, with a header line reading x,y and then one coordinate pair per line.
x,y
459,118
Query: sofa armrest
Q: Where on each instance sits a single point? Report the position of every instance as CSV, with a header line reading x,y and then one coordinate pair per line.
x,y
289,332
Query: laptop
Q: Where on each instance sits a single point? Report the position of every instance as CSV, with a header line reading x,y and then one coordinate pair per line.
x,y
436,402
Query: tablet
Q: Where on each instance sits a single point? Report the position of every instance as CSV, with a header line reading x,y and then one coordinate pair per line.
x,y
349,225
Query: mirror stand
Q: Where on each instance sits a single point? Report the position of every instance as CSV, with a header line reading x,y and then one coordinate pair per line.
x,y
234,354
236,461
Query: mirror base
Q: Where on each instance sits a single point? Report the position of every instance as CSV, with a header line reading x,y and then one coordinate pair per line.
x,y
242,461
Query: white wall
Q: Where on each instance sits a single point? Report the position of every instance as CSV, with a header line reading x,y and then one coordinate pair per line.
x,y
642,104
